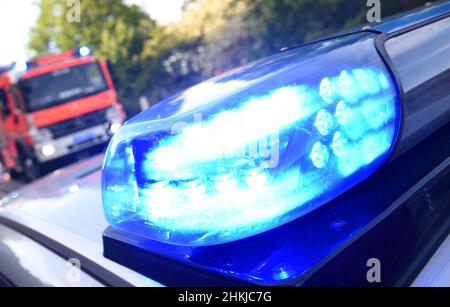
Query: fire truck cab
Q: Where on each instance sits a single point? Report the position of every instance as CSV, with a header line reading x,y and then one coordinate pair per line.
x,y
54,106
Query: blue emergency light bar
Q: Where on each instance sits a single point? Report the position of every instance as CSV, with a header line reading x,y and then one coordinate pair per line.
x,y
255,149
276,173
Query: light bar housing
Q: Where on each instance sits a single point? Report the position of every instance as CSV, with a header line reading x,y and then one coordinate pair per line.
x,y
254,149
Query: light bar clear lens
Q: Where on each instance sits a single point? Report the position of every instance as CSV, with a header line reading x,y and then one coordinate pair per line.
x,y
247,152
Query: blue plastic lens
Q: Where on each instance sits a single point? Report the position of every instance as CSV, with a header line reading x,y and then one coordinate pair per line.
x,y
249,151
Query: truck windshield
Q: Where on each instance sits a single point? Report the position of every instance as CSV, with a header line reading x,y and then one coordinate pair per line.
x,y
61,86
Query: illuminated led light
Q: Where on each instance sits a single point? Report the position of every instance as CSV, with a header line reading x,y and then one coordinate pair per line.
x,y
356,84
320,155
383,80
327,91
116,211
340,144
366,151
84,51
367,80
229,133
351,119
211,183
195,189
226,183
212,213
378,111
345,81
349,88
324,122
376,144
348,91
343,113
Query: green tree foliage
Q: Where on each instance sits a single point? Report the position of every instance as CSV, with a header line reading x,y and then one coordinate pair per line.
x,y
233,32
284,23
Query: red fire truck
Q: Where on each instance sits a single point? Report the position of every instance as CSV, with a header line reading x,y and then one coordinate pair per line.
x,y
54,106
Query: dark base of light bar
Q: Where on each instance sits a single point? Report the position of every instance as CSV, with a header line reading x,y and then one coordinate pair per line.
x,y
130,251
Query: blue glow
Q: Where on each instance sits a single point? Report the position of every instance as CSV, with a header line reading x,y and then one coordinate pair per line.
x,y
324,122
340,144
320,155
269,150
84,51
328,90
